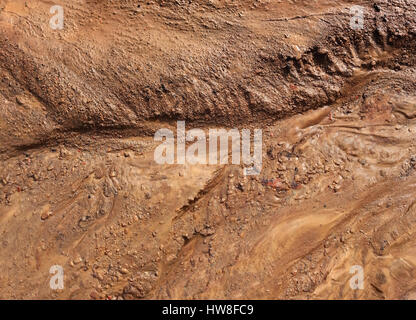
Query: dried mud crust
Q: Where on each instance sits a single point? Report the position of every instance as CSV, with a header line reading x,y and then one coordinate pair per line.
x,y
115,65
79,187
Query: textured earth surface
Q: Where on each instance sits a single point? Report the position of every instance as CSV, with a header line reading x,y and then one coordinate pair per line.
x,y
79,186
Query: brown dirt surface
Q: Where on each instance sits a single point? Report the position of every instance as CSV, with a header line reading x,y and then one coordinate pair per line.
x,y
79,186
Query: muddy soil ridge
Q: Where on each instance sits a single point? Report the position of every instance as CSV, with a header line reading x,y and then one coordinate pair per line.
x,y
116,64
79,186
